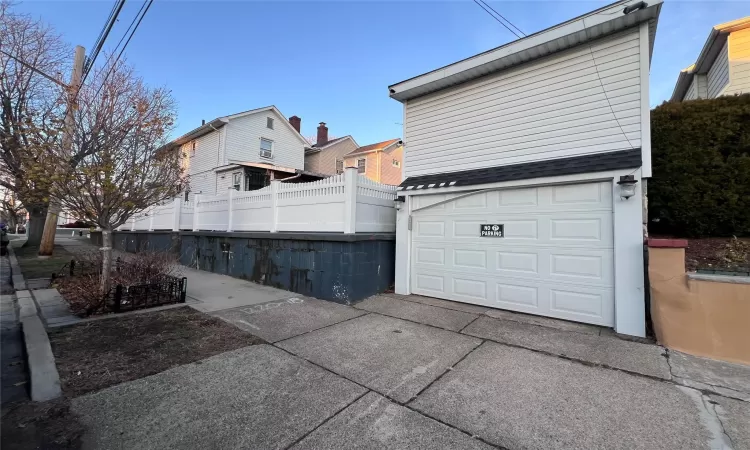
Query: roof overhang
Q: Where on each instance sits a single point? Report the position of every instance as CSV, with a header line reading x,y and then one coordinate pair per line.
x,y
596,24
711,49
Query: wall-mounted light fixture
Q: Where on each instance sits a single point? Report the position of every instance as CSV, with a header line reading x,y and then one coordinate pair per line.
x,y
627,186
398,202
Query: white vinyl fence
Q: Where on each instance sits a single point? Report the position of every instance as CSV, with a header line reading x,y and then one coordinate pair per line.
x,y
345,203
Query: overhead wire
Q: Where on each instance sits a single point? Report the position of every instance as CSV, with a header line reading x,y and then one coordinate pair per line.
x,y
503,17
102,38
138,17
498,20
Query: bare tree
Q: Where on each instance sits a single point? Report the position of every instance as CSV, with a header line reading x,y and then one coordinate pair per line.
x,y
32,57
117,169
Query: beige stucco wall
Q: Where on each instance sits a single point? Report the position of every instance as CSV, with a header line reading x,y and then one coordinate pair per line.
x,y
703,318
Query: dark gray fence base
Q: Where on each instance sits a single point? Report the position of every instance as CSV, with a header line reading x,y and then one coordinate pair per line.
x,y
337,267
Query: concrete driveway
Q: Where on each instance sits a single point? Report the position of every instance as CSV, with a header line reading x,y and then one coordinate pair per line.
x,y
415,372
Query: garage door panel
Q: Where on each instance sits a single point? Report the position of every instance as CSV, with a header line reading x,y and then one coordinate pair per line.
x,y
517,261
564,229
470,259
426,255
555,259
577,302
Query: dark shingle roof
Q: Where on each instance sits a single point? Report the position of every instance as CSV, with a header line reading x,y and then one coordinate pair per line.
x,y
332,141
624,159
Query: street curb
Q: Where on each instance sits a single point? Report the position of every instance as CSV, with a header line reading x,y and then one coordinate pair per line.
x,y
45,380
15,270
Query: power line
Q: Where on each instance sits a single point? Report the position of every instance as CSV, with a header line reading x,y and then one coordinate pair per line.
x,y
147,5
604,91
498,20
40,72
102,37
505,19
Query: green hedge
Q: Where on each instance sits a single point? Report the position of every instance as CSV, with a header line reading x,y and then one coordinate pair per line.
x,y
701,168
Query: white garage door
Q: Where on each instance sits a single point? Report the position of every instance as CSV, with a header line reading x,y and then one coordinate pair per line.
x,y
555,258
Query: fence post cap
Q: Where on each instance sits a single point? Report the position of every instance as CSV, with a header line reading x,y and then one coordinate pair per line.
x,y
667,243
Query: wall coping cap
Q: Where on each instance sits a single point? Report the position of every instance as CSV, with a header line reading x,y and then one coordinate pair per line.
x,y
667,243
718,278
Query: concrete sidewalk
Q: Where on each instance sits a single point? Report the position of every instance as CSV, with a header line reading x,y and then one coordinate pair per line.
x,y
416,372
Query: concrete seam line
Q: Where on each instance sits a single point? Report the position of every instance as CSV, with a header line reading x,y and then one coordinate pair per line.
x,y
366,313
447,369
391,398
45,380
327,419
467,325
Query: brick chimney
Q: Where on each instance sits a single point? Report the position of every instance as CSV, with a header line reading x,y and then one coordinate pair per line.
x,y
296,122
322,134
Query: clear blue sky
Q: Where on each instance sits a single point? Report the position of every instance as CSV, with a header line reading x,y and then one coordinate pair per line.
x,y
333,61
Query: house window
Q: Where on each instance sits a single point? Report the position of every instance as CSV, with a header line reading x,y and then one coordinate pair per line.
x,y
269,122
339,166
396,163
361,165
266,147
192,148
187,196
236,181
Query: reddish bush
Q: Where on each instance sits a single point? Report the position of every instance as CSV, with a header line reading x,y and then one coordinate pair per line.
x,y
82,290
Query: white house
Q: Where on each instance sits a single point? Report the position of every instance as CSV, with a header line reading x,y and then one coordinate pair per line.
x,y
524,168
723,65
244,151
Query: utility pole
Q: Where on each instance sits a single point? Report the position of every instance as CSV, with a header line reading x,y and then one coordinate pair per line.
x,y
50,224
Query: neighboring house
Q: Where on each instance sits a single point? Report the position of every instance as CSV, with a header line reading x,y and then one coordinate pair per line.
x,y
524,170
327,156
244,151
723,66
379,162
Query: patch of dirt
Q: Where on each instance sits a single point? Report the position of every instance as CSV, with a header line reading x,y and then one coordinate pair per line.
x,y
49,425
713,253
34,267
101,353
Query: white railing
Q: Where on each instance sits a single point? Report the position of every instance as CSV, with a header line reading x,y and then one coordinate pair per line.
x,y
345,203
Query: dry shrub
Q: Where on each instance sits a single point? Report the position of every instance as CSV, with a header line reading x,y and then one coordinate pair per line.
x,y
82,291
737,253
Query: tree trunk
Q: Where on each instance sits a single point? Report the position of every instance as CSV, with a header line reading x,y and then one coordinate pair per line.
x,y
47,246
106,250
35,227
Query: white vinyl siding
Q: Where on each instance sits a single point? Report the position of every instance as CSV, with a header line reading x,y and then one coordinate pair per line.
x,y
223,181
550,108
202,179
739,62
692,92
718,74
701,86
243,141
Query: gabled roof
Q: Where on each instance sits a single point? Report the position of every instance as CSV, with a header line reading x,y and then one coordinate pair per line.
x,y
221,121
594,25
380,146
315,148
711,49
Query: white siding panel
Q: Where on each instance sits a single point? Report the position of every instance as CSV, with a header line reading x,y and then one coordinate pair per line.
x,y
202,177
243,141
718,74
702,87
739,62
550,108
692,92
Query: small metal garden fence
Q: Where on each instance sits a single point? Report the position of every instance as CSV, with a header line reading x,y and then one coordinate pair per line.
x,y
120,298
